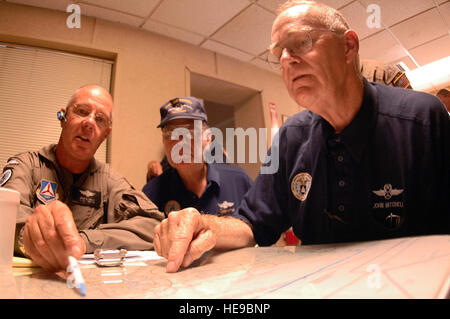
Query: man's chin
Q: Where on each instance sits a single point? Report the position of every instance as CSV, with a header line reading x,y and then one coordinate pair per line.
x,y
83,153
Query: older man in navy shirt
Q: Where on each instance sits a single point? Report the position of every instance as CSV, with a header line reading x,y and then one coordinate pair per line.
x,y
364,162
214,188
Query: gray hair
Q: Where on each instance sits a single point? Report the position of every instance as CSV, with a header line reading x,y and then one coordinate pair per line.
x,y
328,17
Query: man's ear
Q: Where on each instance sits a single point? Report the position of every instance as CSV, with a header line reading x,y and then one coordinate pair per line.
x,y
107,132
351,46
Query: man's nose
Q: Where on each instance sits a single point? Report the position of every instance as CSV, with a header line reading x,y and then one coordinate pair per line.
x,y
90,119
288,57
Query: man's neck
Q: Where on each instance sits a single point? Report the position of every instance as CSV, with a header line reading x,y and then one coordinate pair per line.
x,y
344,106
75,166
194,178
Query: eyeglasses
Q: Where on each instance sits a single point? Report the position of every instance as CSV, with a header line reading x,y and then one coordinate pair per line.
x,y
297,43
85,110
167,131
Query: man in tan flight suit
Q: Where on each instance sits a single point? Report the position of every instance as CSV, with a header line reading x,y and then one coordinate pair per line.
x,y
71,203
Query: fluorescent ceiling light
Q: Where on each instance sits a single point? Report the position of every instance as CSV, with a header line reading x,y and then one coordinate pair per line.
x,y
432,76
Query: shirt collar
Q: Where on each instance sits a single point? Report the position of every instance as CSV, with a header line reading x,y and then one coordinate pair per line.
x,y
212,177
49,153
356,135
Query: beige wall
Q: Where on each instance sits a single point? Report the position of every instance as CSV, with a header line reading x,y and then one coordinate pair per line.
x,y
149,69
246,117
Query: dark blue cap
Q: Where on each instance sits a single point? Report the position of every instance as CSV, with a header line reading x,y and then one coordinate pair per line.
x,y
185,107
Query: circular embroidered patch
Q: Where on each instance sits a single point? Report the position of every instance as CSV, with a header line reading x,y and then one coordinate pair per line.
x,y
300,185
5,177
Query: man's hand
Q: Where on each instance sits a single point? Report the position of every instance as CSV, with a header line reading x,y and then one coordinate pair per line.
x,y
50,236
154,169
182,238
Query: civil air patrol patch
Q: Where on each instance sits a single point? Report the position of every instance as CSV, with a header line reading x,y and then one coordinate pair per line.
x,y
5,177
171,205
47,192
301,185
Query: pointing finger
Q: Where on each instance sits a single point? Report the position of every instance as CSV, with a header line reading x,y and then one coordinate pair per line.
x,y
180,236
53,245
67,230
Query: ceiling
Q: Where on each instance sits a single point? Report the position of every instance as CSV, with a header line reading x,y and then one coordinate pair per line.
x,y
415,32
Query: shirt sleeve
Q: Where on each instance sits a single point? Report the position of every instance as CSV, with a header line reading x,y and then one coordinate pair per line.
x,y
263,207
153,191
131,218
135,233
440,140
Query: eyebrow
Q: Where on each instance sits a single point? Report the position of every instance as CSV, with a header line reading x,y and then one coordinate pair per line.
x,y
97,111
290,33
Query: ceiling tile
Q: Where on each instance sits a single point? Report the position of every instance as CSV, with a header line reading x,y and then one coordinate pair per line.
x,y
412,32
199,16
110,15
381,47
60,5
445,11
432,51
226,50
136,7
249,31
337,4
271,5
173,32
356,16
393,12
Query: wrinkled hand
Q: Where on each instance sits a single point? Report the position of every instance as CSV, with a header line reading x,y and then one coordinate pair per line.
x,y
182,238
50,236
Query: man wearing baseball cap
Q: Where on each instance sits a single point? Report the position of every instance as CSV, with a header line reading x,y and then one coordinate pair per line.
x,y
211,188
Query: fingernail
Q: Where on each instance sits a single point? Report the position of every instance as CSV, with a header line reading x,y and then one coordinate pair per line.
x,y
76,251
171,267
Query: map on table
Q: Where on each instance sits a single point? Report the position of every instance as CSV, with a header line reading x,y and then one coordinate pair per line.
x,y
411,267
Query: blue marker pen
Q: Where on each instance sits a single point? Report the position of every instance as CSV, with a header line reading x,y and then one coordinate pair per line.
x,y
76,279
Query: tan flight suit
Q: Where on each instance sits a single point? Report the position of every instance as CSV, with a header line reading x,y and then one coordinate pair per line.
x,y
108,211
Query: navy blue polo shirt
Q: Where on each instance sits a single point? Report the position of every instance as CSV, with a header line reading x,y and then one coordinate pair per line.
x,y
385,175
225,189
